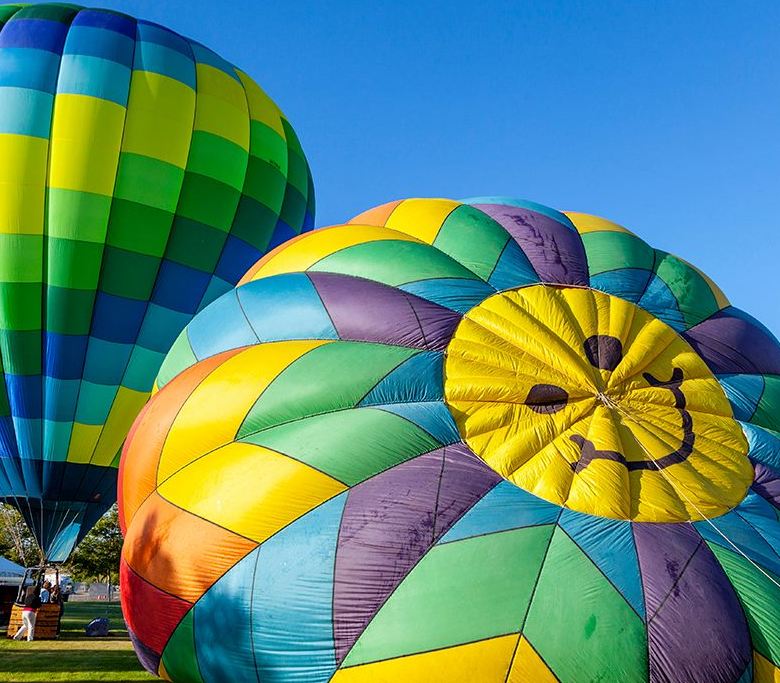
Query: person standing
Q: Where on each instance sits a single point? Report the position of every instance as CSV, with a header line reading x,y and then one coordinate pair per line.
x,y
45,591
32,603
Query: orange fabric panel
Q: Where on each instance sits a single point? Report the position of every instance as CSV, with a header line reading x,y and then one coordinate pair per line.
x,y
154,423
376,216
159,547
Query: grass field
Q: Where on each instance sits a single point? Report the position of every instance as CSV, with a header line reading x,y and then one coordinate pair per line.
x,y
74,657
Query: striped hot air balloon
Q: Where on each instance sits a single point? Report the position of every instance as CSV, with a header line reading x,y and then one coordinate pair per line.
x,y
140,175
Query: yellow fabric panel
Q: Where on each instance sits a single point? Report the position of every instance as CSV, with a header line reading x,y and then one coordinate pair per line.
x,y
261,107
484,661
764,671
126,406
421,218
82,442
586,223
221,106
22,184
312,247
85,140
597,449
162,672
160,117
528,666
253,491
215,410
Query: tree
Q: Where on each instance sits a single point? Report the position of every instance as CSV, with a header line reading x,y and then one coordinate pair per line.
x,y
97,557
16,541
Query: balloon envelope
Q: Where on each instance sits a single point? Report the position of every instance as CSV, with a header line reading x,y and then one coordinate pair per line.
x,y
141,175
460,441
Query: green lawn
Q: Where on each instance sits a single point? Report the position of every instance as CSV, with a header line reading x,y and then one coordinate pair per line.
x,y
74,657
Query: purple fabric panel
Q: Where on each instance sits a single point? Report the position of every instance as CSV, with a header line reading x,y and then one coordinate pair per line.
x,y
732,345
149,659
554,250
767,483
363,310
390,522
696,629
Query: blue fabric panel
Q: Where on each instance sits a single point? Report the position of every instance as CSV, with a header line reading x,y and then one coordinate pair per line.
x,y
24,111
179,287
457,294
28,68
94,403
203,55
224,314
282,232
106,361
419,378
116,318
432,416
610,545
40,34
63,355
627,283
513,269
561,218
504,507
285,307
764,446
97,42
60,396
56,439
28,435
296,568
236,258
150,56
25,395
659,300
743,392
154,33
106,20
95,77
160,328
230,597
216,288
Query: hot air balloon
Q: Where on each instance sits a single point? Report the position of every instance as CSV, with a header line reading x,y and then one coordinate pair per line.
x,y
460,441
141,175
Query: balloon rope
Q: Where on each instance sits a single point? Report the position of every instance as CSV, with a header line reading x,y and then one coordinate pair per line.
x,y
623,413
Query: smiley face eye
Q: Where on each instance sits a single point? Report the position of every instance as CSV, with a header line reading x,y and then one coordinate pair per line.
x,y
546,398
603,351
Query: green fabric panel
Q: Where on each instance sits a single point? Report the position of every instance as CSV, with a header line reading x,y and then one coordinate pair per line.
x,y
178,657
128,274
5,406
264,183
459,592
693,294
60,12
71,214
179,358
20,305
294,207
21,258
607,251
21,351
331,377
576,609
7,11
759,597
148,181
350,445
73,264
254,223
140,228
196,245
69,311
768,409
218,158
393,262
296,171
472,238
207,201
265,143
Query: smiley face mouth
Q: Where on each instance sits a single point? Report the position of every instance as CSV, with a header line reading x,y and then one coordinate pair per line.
x,y
605,353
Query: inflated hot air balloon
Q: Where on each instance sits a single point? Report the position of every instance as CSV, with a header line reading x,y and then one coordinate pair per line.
x,y
141,176
476,441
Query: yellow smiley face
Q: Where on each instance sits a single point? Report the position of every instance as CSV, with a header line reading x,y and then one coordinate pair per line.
x,y
590,402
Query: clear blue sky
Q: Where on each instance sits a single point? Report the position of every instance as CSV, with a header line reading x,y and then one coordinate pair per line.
x,y
662,116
